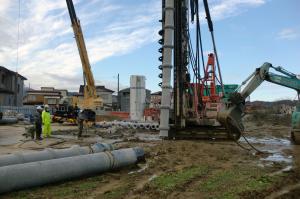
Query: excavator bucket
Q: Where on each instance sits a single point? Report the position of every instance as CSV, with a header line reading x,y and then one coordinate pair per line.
x,y
231,119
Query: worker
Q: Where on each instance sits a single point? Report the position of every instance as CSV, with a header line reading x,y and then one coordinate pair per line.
x,y
46,118
38,123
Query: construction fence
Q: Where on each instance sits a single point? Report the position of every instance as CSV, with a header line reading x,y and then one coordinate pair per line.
x,y
26,110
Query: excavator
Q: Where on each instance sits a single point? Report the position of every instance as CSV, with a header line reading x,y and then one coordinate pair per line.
x,y
91,105
232,113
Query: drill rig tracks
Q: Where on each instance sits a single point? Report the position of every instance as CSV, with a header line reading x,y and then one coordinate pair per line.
x,y
200,132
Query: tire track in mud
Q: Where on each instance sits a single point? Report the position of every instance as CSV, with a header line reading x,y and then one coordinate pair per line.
x,y
190,188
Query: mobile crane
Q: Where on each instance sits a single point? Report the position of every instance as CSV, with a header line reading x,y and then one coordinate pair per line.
x,y
231,115
91,104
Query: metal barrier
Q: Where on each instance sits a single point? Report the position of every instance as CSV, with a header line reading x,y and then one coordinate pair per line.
x,y
26,110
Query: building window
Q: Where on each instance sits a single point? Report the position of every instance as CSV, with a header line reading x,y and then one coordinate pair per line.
x,y
18,88
3,79
104,96
31,98
51,101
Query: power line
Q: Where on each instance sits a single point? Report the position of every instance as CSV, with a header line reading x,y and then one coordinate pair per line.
x,y
18,37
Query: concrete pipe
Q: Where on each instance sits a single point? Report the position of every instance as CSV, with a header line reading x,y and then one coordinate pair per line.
x,y
153,127
130,125
101,123
141,125
104,124
120,124
124,124
21,176
127,125
157,127
47,154
134,126
147,126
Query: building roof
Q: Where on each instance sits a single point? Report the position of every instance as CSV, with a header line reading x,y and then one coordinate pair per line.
x,y
104,89
125,90
75,94
156,93
12,72
81,89
44,92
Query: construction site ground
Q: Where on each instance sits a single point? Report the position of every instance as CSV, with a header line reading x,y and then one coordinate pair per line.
x,y
175,168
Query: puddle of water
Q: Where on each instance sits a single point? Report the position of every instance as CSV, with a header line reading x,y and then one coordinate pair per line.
x,y
278,157
268,141
152,177
143,168
70,137
274,146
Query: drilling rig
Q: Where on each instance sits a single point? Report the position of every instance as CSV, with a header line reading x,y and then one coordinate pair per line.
x,y
198,90
204,107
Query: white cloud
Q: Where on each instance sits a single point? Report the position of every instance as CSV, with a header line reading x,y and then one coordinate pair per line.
x,y
221,9
5,5
266,92
48,55
288,34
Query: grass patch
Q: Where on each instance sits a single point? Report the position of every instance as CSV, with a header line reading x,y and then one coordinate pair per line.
x,y
169,181
72,189
230,183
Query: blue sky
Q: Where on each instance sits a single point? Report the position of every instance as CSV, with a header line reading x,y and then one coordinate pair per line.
x,y
121,37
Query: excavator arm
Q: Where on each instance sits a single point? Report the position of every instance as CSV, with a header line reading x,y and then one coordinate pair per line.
x,y
231,116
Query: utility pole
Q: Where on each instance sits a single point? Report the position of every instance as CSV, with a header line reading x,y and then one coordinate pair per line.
x,y
118,97
16,89
118,83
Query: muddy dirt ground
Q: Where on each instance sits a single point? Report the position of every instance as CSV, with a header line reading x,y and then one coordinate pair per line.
x,y
175,168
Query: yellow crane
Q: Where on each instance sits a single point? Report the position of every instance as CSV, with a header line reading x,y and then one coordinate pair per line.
x,y
91,103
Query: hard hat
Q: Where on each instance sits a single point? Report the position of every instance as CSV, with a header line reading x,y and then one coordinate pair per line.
x,y
46,106
39,108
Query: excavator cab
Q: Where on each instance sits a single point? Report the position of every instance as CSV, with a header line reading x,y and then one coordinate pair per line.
x,y
295,133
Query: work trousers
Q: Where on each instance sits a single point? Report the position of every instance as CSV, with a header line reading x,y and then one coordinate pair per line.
x,y
46,130
38,130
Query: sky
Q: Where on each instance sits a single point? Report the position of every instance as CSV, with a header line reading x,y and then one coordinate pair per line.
x,y
121,37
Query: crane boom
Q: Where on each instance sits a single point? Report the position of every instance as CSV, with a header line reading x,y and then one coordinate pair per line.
x,y
91,101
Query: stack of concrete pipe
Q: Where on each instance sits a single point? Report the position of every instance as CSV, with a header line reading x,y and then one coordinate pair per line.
x,y
130,125
20,171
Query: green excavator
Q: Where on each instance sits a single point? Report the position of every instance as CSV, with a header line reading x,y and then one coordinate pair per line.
x,y
231,115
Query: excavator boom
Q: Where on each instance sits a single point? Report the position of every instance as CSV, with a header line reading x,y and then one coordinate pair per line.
x,y
231,115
